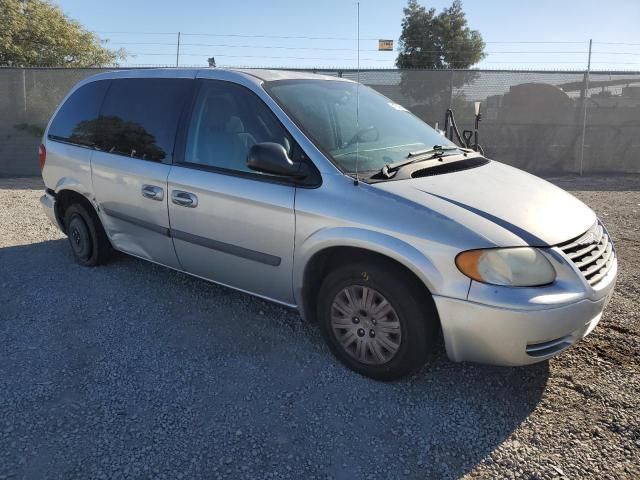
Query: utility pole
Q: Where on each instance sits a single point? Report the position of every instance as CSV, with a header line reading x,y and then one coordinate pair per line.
x,y
585,99
358,45
178,51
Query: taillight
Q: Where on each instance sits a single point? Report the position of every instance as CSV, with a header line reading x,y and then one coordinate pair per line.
x,y
42,156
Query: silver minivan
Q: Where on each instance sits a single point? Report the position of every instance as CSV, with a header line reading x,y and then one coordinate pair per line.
x,y
321,194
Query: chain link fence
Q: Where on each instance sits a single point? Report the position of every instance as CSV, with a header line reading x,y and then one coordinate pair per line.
x,y
534,120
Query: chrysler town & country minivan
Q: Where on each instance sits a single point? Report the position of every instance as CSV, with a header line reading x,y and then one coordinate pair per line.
x,y
321,194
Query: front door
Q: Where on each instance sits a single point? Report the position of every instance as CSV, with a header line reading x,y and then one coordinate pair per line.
x,y
230,224
135,135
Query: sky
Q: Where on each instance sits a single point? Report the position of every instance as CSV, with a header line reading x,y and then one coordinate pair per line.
x,y
322,33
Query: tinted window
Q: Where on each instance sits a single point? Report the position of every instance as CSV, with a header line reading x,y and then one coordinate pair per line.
x,y
227,120
140,116
75,121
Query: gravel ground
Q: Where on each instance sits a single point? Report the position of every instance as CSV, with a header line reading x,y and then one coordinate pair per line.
x,y
135,371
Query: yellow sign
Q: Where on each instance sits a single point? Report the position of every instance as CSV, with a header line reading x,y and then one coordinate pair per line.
x,y
385,45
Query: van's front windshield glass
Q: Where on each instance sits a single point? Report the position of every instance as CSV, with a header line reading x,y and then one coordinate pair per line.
x,y
384,133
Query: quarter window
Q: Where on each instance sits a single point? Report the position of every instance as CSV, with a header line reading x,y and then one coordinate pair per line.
x,y
75,122
227,120
140,116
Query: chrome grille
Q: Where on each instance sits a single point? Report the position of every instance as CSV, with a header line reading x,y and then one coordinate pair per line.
x,y
592,252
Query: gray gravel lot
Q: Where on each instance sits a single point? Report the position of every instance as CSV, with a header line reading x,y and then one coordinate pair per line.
x,y
135,371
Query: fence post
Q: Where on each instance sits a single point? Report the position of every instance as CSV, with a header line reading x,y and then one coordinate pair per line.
x,y
451,88
584,107
24,92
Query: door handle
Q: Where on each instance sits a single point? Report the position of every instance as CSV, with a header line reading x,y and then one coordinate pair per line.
x,y
152,192
184,199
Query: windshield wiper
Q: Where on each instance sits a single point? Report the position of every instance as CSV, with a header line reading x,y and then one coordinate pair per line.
x,y
389,169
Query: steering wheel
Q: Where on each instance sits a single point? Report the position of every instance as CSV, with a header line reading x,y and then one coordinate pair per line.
x,y
358,137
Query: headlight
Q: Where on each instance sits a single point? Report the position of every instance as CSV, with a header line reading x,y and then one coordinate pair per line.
x,y
512,267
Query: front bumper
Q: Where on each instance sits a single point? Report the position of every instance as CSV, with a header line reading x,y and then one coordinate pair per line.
x,y
48,203
497,335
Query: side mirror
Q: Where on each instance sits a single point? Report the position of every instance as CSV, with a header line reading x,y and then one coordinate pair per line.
x,y
270,157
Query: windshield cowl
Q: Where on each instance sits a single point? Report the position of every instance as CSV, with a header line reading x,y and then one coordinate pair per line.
x,y
436,166
436,153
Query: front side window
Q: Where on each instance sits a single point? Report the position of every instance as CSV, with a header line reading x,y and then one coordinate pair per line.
x,y
227,120
358,127
75,122
140,116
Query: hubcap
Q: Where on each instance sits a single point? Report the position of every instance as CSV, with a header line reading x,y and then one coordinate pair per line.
x,y
366,325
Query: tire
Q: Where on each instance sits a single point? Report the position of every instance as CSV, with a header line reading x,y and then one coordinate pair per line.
x,y
412,325
88,240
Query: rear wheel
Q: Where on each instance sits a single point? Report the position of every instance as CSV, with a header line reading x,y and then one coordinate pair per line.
x,y
88,240
377,320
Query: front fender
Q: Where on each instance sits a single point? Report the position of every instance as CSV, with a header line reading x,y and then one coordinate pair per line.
x,y
374,241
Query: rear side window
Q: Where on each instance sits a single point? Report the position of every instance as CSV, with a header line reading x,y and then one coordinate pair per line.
x,y
76,120
140,116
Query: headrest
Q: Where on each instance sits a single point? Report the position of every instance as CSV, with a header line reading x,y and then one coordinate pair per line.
x,y
235,125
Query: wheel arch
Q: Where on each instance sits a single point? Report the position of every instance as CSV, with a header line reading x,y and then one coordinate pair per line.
x,y
339,245
66,197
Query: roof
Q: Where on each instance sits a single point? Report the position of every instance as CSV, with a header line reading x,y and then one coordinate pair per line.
x,y
270,75
255,74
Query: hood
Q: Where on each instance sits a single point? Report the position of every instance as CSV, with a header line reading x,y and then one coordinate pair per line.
x,y
507,206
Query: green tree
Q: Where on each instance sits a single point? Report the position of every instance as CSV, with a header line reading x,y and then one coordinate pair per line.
x,y
439,42
37,32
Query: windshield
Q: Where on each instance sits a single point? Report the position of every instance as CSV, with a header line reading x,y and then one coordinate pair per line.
x,y
385,132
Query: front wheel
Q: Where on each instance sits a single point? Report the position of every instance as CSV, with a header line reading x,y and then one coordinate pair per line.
x,y
377,320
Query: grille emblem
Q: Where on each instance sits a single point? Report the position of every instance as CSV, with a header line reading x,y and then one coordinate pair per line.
x,y
589,237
